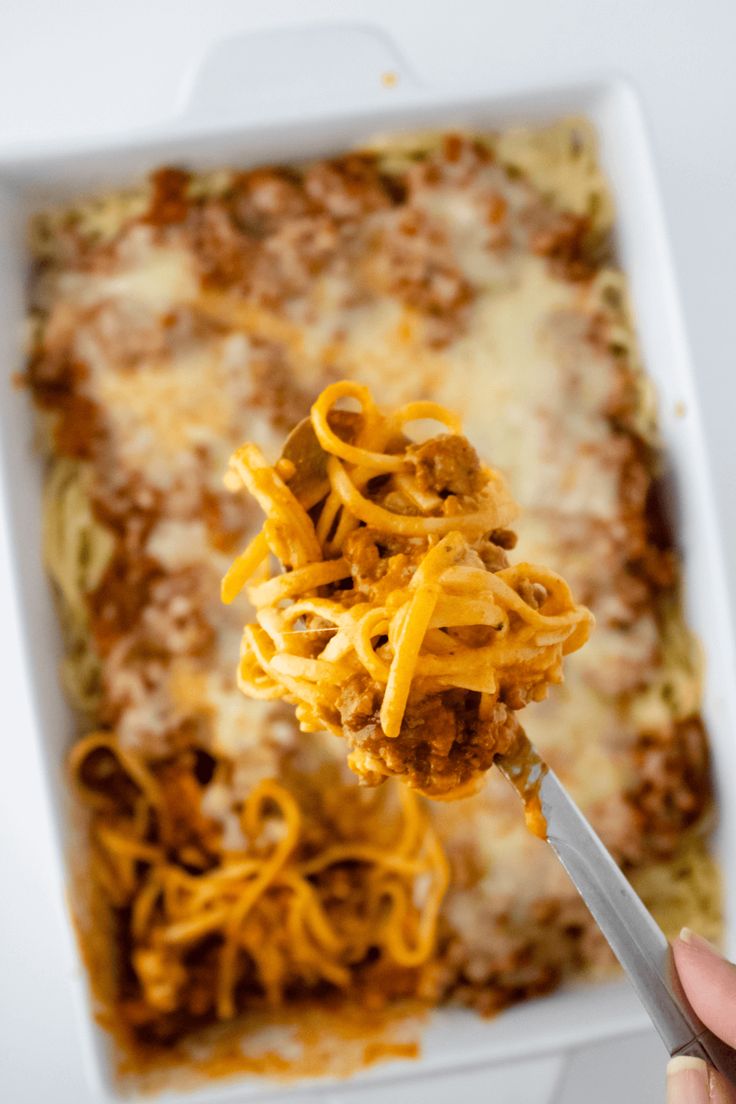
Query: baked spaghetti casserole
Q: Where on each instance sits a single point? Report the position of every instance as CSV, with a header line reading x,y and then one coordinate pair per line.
x,y
171,322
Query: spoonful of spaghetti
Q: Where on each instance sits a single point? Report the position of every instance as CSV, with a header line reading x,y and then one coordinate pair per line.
x,y
397,621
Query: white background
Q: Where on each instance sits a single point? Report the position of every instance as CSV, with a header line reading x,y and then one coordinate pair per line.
x,y
76,68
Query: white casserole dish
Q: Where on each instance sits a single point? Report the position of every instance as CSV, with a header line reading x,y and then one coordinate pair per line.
x,y
311,93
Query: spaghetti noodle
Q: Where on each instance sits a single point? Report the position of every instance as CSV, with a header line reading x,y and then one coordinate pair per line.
x,y
266,919
398,621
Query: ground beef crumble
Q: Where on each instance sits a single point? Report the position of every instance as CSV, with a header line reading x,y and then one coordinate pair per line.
x,y
443,742
448,465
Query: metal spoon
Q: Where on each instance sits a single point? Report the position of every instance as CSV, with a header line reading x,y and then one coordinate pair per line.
x,y
303,450
629,928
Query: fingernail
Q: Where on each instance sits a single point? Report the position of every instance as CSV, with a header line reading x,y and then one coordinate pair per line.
x,y
687,1081
692,939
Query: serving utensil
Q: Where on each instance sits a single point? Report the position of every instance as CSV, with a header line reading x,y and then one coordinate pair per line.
x,y
629,928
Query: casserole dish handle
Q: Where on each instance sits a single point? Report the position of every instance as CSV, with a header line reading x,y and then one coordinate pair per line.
x,y
244,76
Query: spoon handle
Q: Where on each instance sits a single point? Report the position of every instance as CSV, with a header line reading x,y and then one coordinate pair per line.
x,y
631,931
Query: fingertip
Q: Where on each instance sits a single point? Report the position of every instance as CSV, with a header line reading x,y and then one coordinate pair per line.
x,y
687,1081
683,1062
699,942
694,952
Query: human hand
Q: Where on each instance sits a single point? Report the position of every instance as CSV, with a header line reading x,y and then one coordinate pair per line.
x,y
709,981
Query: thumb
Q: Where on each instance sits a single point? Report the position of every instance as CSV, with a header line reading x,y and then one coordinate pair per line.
x,y
709,981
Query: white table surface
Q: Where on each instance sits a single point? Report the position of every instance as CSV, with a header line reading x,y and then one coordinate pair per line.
x,y
89,67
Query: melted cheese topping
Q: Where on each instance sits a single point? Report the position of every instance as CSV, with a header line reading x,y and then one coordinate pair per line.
x,y
164,411
533,389
153,277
